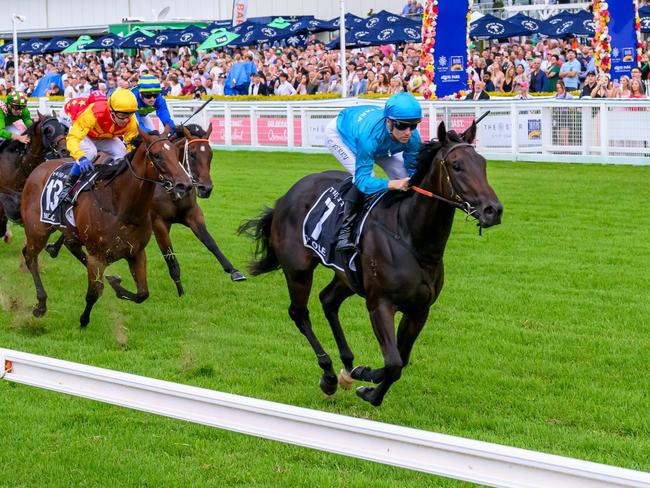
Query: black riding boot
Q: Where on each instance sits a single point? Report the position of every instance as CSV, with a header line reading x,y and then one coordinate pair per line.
x,y
66,192
353,200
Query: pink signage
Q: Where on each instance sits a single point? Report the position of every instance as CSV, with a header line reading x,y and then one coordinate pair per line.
x,y
240,130
272,131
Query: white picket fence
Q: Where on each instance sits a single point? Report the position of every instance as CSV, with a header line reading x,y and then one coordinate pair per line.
x,y
545,129
443,455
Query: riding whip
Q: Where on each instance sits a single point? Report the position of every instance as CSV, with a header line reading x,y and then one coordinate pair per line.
x,y
196,112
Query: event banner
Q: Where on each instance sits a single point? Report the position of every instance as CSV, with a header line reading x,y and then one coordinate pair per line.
x,y
239,8
450,47
622,30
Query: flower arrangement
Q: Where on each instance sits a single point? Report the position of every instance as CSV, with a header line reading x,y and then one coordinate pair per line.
x,y
637,28
602,40
429,21
427,57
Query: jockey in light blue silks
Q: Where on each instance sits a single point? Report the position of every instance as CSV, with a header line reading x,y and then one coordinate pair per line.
x,y
147,93
366,134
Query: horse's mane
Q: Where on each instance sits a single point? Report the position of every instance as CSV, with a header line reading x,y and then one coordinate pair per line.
x,y
425,157
108,172
195,130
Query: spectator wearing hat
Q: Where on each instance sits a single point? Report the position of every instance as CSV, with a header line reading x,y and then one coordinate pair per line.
x,y
522,91
478,92
590,85
283,86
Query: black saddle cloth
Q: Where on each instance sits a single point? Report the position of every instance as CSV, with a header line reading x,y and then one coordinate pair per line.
x,y
51,211
321,228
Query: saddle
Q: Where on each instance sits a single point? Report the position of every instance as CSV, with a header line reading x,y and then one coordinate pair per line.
x,y
321,228
51,211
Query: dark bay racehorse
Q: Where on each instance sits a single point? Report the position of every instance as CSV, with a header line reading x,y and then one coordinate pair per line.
x,y
402,249
112,221
196,156
17,161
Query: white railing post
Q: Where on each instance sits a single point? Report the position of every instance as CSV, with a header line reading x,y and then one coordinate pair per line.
x,y
433,114
514,130
587,122
290,134
303,127
604,130
253,125
44,106
227,125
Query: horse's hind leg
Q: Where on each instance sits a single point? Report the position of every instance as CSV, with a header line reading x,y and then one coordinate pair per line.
x,y
31,251
5,231
332,296
299,283
196,221
138,267
95,269
161,232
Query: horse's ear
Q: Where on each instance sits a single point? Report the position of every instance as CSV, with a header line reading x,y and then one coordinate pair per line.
x,y
470,133
442,133
186,132
143,135
207,133
40,115
54,114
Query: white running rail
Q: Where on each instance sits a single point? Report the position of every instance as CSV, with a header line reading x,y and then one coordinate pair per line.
x,y
444,455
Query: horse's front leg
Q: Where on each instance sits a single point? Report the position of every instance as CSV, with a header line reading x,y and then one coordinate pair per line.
x,y
382,316
95,268
138,267
196,221
408,331
161,232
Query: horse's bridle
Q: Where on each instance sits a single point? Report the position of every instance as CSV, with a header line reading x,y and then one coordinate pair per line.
x,y
162,181
454,199
50,149
185,163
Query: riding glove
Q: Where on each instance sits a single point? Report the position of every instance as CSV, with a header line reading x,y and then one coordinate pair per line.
x,y
84,164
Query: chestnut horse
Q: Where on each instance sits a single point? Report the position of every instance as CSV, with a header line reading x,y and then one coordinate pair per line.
x,y
196,156
112,221
17,161
401,246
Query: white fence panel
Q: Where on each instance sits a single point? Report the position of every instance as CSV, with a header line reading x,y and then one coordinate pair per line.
x,y
582,131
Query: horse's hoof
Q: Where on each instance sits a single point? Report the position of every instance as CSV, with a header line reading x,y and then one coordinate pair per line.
x,y
38,311
345,379
52,250
361,373
327,386
83,323
369,394
7,237
237,276
180,290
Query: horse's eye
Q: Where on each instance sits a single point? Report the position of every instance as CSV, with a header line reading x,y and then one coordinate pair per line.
x,y
457,167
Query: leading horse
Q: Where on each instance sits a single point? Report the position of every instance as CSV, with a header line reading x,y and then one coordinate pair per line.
x,y
112,221
402,248
17,161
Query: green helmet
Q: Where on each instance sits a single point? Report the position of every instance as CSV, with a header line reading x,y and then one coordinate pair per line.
x,y
17,99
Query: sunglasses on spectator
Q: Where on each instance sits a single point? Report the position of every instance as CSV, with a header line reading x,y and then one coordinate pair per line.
x,y
149,95
18,107
403,125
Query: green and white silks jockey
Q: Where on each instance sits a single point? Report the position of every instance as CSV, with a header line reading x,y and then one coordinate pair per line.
x,y
14,109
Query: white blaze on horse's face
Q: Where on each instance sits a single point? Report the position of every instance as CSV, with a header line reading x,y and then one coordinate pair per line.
x,y
166,146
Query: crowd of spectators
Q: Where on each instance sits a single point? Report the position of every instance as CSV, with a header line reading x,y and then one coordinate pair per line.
x,y
517,69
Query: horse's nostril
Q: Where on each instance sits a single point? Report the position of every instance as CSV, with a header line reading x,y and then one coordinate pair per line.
x,y
489,211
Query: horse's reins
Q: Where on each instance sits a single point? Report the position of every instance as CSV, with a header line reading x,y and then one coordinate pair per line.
x,y
458,201
166,184
186,157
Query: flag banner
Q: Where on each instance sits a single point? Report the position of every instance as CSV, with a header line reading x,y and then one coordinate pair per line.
x,y
624,38
444,46
239,8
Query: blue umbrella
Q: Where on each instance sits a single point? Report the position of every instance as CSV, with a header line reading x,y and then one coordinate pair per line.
x,y
109,41
382,35
491,27
260,33
350,21
644,14
57,44
310,25
166,38
384,20
134,41
563,24
532,25
219,24
244,27
33,46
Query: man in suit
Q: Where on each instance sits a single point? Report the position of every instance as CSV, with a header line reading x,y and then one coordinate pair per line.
x,y
256,86
477,93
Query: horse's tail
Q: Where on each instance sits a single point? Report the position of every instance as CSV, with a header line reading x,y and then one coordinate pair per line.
x,y
259,230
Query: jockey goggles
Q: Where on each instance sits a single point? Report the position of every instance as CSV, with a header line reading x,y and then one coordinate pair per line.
x,y
17,107
149,94
405,124
121,115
